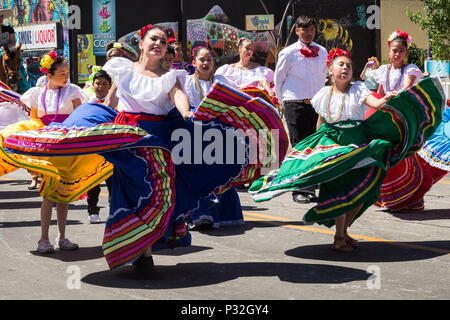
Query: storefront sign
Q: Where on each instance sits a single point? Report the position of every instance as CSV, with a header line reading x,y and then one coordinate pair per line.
x,y
104,24
259,22
37,36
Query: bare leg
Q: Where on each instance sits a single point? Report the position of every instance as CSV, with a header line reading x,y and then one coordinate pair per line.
x,y
148,252
348,220
61,213
46,217
340,243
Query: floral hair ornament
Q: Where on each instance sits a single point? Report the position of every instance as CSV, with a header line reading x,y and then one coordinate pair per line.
x,y
95,69
144,30
47,61
117,45
399,34
171,40
336,53
194,51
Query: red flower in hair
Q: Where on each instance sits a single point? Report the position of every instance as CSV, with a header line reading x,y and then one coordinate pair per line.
x,y
53,55
144,30
44,70
403,34
171,40
194,51
336,53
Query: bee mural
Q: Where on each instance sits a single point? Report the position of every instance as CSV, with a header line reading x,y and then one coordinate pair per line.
x,y
333,34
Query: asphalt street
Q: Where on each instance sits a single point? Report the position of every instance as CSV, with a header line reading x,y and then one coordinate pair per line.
x,y
274,256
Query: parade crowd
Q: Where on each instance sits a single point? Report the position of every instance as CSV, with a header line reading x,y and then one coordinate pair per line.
x,y
380,140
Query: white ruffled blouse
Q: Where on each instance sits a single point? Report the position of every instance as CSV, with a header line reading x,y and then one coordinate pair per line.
x,y
380,76
353,109
241,78
34,98
191,90
140,93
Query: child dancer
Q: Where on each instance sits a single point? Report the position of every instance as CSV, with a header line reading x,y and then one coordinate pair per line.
x,y
347,156
228,211
403,180
53,103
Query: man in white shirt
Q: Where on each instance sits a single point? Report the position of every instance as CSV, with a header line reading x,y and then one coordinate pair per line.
x,y
300,73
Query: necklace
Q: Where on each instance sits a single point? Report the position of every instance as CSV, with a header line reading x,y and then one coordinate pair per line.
x,y
399,81
57,102
341,108
197,85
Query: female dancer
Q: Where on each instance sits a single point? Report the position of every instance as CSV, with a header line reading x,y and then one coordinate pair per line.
x,y
247,73
348,156
50,103
156,183
404,180
228,210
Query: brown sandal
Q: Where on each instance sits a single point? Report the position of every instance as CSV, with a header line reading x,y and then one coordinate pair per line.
x,y
343,248
354,243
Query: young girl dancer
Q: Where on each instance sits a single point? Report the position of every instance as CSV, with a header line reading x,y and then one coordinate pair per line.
x,y
348,156
228,210
403,181
53,103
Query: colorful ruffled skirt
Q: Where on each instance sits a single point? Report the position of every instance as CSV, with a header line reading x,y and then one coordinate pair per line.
x,y
407,183
164,166
349,159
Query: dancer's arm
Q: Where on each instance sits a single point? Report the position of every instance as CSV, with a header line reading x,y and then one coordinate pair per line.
x,y
320,121
76,102
375,103
409,82
111,99
33,113
180,101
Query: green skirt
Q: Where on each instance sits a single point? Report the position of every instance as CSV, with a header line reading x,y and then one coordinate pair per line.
x,y
349,159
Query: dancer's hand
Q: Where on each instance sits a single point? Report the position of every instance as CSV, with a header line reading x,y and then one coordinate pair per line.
x,y
187,114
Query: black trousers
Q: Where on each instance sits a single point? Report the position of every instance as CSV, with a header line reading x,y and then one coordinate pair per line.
x,y
301,119
93,194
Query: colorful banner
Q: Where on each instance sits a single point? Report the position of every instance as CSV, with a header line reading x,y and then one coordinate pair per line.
x,y
86,56
103,24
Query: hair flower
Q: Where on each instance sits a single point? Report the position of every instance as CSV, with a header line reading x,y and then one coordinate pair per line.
x,y
399,34
336,53
144,30
117,45
171,40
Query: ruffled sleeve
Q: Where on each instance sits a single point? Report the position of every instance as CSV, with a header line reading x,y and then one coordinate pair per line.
x,y
379,75
413,70
361,91
31,97
318,101
75,92
118,67
265,73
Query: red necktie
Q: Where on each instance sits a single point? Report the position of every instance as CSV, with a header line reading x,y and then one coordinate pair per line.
x,y
309,51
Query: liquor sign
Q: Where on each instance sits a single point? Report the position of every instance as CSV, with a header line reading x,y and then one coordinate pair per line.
x,y
38,36
259,22
104,24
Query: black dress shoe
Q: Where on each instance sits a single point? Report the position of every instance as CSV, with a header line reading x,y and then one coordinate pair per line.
x,y
145,267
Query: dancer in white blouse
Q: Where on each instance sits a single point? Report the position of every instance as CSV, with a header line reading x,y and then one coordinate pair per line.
x,y
228,210
245,72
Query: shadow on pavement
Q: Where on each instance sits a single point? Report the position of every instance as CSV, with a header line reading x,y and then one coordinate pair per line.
x,y
253,208
82,254
185,275
180,251
16,182
34,223
20,205
241,229
19,194
430,214
372,252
